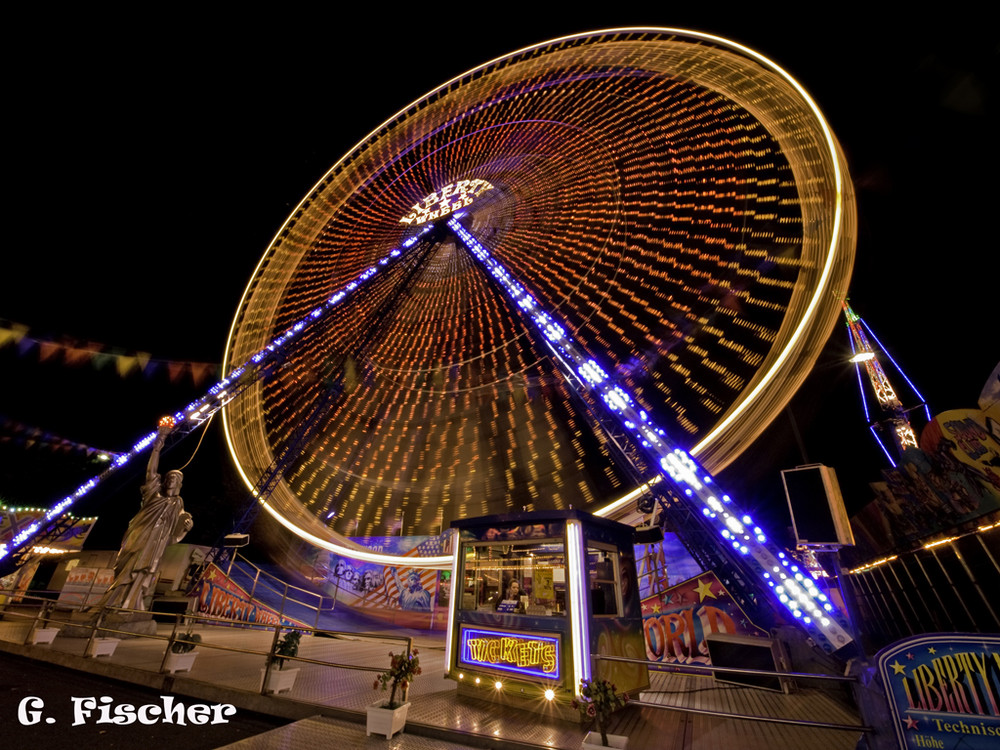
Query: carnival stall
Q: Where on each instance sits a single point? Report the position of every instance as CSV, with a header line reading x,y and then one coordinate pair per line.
x,y
536,597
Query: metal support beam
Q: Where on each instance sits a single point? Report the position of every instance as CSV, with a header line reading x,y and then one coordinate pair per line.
x,y
755,567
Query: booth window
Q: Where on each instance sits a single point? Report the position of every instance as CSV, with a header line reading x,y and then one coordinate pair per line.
x,y
605,583
538,567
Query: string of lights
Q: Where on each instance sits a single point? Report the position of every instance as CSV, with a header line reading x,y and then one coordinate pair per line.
x,y
202,409
791,586
676,199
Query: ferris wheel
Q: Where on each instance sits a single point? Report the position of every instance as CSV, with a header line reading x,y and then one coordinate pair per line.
x,y
676,199
599,261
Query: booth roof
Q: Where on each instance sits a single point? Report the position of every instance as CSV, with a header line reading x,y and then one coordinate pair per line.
x,y
540,516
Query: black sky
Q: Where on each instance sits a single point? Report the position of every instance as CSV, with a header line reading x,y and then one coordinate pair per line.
x,y
150,170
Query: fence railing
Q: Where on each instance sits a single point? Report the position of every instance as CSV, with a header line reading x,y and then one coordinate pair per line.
x,y
945,586
42,613
284,593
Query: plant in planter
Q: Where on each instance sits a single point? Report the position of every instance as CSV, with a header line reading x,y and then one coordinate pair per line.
x,y
101,647
182,654
598,700
287,645
390,717
42,635
185,643
282,679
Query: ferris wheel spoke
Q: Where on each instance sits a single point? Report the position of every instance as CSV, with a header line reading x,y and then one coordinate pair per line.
x,y
778,576
198,412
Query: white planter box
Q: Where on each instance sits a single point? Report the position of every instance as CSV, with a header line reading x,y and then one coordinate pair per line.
x,y
43,635
179,662
593,741
279,680
102,647
386,721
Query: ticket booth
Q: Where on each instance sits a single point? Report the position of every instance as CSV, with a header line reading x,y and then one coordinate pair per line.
x,y
534,596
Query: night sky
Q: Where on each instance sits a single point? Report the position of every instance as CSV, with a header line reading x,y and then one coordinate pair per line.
x,y
150,172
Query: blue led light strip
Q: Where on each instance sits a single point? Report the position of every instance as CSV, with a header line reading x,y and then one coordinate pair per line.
x,y
923,401
790,585
881,445
508,659
218,395
857,369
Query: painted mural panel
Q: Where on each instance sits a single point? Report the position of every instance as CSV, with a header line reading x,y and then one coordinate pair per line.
x,y
85,586
660,562
954,477
218,596
944,690
676,623
400,587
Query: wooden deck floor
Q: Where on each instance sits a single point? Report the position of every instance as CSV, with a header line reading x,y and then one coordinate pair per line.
x,y
656,725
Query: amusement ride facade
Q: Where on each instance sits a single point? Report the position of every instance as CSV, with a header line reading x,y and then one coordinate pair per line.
x,y
600,261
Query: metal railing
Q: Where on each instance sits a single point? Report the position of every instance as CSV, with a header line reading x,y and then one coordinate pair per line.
x,y
261,578
41,613
944,586
709,669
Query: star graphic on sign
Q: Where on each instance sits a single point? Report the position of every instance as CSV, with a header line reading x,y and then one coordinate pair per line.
x,y
656,609
704,589
909,656
911,723
898,668
931,650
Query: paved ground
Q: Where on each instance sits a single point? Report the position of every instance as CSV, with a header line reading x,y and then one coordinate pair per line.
x,y
329,701
21,679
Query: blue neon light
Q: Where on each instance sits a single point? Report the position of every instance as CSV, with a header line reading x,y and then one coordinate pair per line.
x,y
676,463
871,333
882,446
211,402
525,654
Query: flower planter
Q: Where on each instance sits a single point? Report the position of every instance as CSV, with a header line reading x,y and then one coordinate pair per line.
x,y
43,635
179,662
386,721
279,680
593,741
102,647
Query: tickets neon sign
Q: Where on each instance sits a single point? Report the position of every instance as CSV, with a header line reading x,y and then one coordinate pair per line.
x,y
450,198
520,653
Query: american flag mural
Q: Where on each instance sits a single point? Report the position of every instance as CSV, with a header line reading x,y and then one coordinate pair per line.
x,y
391,587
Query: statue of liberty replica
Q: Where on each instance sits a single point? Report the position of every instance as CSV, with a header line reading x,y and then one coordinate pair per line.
x,y
161,521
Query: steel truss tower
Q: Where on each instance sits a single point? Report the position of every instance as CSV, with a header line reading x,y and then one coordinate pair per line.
x,y
895,420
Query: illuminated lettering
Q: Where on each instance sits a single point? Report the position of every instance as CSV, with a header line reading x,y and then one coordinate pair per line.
x,y
450,198
529,655
963,683
509,652
947,674
548,657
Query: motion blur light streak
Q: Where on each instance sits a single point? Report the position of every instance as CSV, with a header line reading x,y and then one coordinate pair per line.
x,y
197,411
695,485
674,200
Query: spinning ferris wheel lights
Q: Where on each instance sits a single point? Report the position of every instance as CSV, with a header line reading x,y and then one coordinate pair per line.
x,y
218,395
793,587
